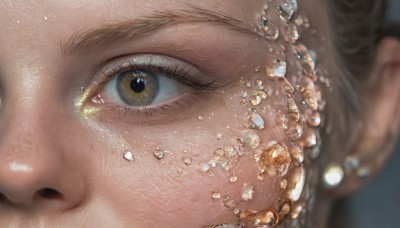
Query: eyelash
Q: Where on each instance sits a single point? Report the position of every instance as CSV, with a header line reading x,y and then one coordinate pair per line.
x,y
181,74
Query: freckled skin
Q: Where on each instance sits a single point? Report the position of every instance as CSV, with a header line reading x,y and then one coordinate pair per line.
x,y
48,126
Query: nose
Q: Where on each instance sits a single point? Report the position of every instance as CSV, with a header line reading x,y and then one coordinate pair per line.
x,y
37,169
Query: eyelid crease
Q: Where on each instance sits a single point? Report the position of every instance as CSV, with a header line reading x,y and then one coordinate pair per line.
x,y
176,71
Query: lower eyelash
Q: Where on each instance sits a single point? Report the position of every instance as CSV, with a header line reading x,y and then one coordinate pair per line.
x,y
156,114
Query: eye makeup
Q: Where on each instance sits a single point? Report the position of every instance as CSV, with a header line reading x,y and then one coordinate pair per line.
x,y
175,72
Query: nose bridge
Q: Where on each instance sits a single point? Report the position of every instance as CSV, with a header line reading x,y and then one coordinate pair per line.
x,y
34,169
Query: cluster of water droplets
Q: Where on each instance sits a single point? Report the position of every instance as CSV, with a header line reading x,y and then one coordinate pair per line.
x,y
301,122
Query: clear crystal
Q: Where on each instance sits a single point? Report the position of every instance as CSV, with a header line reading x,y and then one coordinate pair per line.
x,y
255,121
296,183
215,195
292,34
128,156
305,58
251,139
159,154
286,10
275,160
187,161
233,178
247,192
270,30
277,70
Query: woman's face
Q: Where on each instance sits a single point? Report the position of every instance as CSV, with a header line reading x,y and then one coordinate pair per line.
x,y
159,113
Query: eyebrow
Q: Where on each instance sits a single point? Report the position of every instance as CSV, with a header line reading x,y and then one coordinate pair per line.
x,y
84,41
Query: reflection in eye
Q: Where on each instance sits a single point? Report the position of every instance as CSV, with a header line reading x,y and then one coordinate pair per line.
x,y
142,88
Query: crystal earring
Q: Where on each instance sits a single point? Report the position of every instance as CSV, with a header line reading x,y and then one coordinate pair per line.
x,y
333,176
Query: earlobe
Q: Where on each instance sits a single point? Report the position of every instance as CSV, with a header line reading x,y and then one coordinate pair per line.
x,y
380,118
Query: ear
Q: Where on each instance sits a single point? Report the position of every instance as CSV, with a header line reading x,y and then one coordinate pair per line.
x,y
380,100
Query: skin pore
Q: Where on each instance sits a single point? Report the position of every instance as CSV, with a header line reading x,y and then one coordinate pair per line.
x,y
196,157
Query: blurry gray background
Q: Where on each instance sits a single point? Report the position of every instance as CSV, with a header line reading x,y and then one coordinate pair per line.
x,y
377,205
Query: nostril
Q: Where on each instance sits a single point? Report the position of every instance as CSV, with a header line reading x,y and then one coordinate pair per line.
x,y
48,193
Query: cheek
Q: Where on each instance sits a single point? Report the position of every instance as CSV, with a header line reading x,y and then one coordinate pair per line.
x,y
204,168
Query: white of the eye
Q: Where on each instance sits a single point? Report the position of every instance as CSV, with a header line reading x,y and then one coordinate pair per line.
x,y
168,89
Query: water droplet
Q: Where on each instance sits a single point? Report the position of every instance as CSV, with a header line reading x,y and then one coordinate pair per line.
x,y
287,87
159,154
305,58
292,107
277,70
215,195
310,137
232,178
296,184
256,100
297,153
305,83
251,139
237,212
275,160
248,83
263,218
187,161
333,176
231,152
294,130
255,121
286,10
313,118
247,192
283,184
259,83
199,117
128,156
270,30
285,209
228,202
219,152
311,98
261,94
294,5
204,167
296,211
292,35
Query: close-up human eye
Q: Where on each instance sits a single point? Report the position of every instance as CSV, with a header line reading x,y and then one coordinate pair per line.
x,y
199,114
150,84
141,88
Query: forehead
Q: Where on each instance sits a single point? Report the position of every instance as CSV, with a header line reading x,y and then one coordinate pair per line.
x,y
89,11
40,25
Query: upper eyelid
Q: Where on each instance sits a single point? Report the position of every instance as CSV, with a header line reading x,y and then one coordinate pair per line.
x,y
103,72
178,70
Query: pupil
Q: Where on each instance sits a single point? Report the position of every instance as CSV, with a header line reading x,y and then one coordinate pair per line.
x,y
138,85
